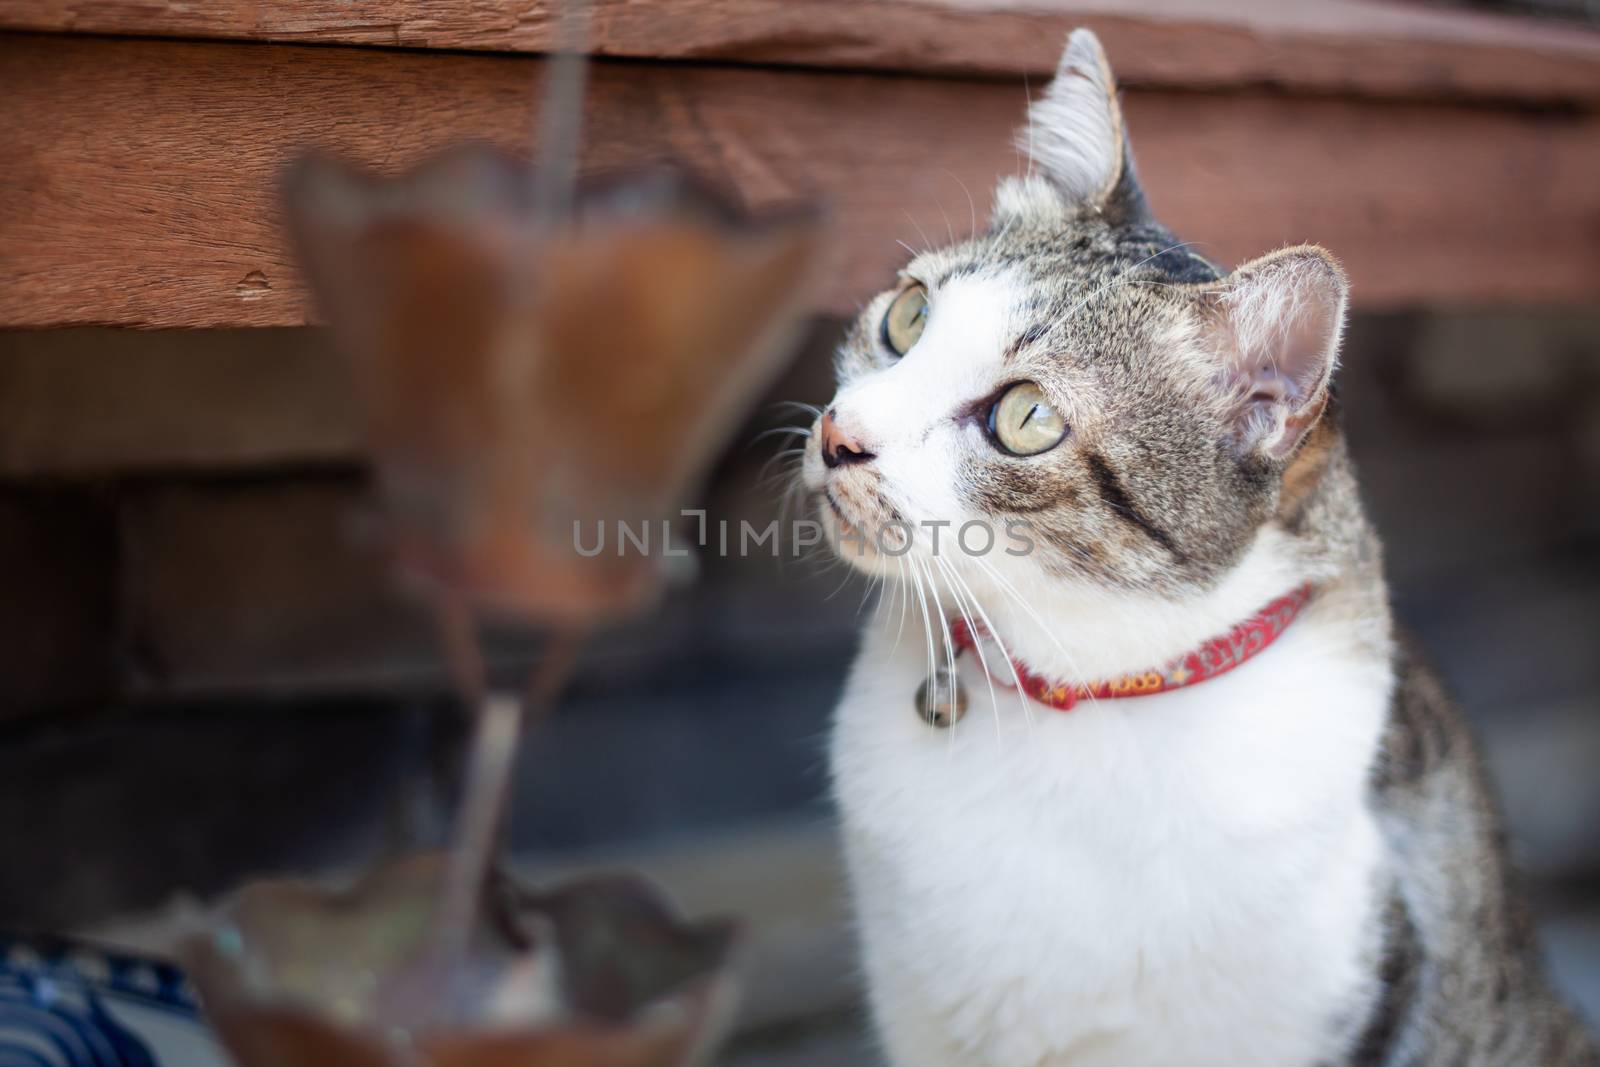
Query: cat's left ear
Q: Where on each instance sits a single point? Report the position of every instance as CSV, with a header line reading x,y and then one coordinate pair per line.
x,y
1273,328
1077,143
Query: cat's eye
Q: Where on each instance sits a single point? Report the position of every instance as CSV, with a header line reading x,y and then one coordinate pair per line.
x,y
1024,423
907,315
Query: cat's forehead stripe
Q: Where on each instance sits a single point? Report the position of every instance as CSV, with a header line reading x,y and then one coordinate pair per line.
x,y
963,270
1030,336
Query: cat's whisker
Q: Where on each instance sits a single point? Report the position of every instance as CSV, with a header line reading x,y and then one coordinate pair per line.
x,y
792,490
972,208
938,613
1027,108
813,410
779,456
788,490
944,620
905,596
944,629
972,628
783,484
790,499
880,608
994,634
822,564
781,475
926,244
950,231
849,573
1122,279
872,582
1044,628
927,623
792,431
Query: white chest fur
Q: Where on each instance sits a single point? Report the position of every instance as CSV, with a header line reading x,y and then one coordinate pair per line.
x,y
1184,878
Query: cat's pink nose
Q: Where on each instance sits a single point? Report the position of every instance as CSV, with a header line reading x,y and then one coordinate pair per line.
x,y
838,447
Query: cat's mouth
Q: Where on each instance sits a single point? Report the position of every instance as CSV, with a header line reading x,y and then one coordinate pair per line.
x,y
852,531
839,512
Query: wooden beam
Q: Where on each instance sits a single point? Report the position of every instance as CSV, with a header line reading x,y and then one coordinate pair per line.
x,y
89,403
137,178
1346,46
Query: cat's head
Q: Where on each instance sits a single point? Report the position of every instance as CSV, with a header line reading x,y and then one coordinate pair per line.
x,y
1076,378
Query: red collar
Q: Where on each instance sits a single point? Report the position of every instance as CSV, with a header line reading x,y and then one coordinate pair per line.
x,y
1216,656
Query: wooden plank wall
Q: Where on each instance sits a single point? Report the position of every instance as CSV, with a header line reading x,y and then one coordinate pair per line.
x,y
1356,47
137,177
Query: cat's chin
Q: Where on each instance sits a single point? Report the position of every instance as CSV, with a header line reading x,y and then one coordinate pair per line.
x,y
848,538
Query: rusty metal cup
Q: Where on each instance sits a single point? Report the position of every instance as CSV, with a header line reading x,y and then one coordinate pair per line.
x,y
526,377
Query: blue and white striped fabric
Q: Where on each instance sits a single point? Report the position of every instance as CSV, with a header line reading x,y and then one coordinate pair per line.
x,y
66,1004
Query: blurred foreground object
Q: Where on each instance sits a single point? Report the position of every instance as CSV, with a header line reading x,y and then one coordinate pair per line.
x,y
524,375
531,361
595,972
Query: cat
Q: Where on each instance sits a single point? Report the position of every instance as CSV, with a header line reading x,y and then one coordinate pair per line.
x,y
1295,861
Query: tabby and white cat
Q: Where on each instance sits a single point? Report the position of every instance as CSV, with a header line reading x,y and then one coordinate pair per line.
x,y
1294,862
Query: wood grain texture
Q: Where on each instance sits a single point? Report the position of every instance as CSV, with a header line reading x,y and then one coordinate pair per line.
x,y
1378,47
137,178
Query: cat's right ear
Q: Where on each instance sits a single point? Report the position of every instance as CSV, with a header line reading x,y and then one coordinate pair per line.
x,y
1076,143
1273,329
